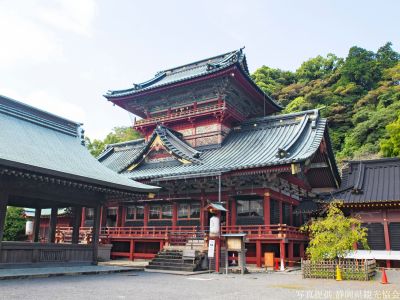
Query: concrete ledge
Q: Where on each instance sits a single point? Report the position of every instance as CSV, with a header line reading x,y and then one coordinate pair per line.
x,y
61,271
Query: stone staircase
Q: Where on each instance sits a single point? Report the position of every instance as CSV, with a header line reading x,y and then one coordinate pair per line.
x,y
183,258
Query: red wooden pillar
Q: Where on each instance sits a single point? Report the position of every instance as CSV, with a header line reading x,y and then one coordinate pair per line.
x,y
290,254
282,254
202,219
233,212
280,211
267,208
131,249
103,216
386,232
174,215
119,216
123,216
83,217
146,215
228,213
258,253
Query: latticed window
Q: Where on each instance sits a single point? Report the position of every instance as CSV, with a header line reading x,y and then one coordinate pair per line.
x,y
166,211
189,210
158,211
155,211
250,208
135,212
89,213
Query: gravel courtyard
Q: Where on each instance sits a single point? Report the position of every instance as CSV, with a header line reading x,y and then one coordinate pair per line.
x,y
143,285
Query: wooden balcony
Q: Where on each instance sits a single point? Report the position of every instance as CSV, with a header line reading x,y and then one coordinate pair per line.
x,y
253,232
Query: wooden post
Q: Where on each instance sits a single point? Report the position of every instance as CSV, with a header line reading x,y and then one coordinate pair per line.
x,y
233,212
228,212
83,216
290,254
258,253
3,212
103,216
51,237
76,224
290,215
146,215
131,249
95,235
267,208
282,255
174,215
386,232
36,228
280,211
202,219
119,216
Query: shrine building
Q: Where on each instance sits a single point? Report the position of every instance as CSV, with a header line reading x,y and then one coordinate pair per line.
x,y
212,136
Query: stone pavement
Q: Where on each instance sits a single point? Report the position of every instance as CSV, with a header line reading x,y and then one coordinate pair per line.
x,y
144,285
61,271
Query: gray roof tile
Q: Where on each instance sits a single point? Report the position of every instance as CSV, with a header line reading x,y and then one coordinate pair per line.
x,y
369,181
255,144
35,140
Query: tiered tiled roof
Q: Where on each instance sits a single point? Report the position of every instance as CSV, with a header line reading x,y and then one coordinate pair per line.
x,y
44,144
191,71
370,181
261,142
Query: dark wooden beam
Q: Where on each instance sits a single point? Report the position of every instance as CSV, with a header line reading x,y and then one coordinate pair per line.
x,y
3,213
36,229
96,233
77,210
52,226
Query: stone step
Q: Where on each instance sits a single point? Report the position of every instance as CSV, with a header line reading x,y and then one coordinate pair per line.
x,y
172,264
171,268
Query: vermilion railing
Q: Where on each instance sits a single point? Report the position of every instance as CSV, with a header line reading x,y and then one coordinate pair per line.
x,y
276,231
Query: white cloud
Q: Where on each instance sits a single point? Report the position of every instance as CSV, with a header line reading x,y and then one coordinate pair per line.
x,y
32,31
70,15
54,104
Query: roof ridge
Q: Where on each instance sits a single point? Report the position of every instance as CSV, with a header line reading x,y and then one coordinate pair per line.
x,y
202,60
2,97
282,116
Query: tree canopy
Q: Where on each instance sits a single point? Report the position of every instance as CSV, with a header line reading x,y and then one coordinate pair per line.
x,y
14,227
331,237
117,135
360,95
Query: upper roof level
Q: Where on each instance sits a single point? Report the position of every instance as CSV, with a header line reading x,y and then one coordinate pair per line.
x,y
232,65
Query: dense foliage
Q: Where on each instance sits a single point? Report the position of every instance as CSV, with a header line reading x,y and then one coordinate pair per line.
x,y
331,237
118,135
360,96
14,229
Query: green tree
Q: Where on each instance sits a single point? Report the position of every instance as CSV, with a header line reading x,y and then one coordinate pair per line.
x,y
361,67
318,67
117,135
387,57
271,80
14,229
391,145
331,237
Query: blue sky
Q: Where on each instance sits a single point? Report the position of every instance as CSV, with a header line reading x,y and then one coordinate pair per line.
x,y
63,55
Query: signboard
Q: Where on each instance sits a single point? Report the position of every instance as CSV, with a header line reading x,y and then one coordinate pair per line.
x,y
211,248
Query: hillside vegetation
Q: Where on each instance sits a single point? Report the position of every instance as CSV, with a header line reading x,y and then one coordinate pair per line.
x,y
359,95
